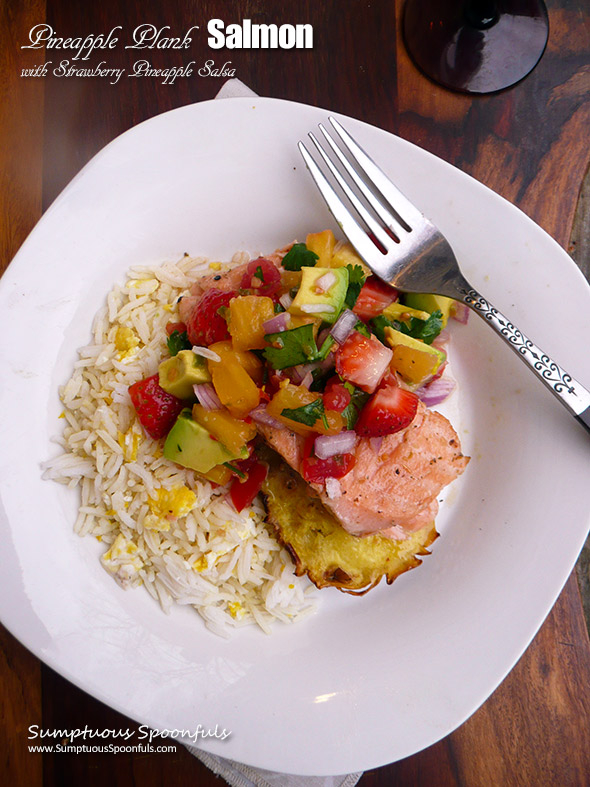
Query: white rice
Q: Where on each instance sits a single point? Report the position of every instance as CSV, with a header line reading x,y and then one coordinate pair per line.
x,y
225,565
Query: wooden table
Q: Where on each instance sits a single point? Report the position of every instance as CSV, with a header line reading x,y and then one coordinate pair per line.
x,y
529,143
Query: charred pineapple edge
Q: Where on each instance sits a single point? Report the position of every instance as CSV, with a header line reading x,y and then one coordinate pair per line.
x,y
305,528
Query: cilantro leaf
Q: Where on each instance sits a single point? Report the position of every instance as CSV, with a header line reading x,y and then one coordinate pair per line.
x,y
290,348
178,341
356,279
235,469
353,409
426,330
324,350
429,329
379,323
361,328
259,274
299,256
308,414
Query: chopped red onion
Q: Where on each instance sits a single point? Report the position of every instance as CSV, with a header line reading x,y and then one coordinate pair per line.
x,y
333,489
326,281
326,446
285,300
375,443
260,416
206,353
297,373
206,395
436,391
317,308
344,326
460,312
307,380
277,324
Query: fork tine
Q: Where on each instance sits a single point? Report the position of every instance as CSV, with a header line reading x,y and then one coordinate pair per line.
x,y
400,203
354,232
386,217
373,226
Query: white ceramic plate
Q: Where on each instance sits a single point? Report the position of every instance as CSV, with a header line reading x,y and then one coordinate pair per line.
x,y
367,680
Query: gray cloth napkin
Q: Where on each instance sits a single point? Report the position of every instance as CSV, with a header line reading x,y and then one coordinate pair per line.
x,y
235,773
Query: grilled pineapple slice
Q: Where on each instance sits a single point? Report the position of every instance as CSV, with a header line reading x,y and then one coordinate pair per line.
x,y
322,549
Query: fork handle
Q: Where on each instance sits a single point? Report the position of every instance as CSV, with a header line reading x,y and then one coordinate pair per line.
x,y
568,390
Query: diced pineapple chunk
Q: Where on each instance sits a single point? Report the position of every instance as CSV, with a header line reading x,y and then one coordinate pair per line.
x,y
322,244
247,313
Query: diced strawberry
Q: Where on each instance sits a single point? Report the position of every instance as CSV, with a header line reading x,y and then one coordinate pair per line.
x,y
175,326
363,361
205,324
375,296
262,277
243,491
336,397
315,471
389,410
156,409
308,445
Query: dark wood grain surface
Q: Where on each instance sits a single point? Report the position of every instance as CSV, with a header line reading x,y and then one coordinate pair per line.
x,y
529,143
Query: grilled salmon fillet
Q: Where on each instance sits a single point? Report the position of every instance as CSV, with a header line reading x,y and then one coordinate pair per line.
x,y
393,490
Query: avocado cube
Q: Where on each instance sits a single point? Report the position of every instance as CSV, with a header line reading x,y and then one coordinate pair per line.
x,y
430,303
415,361
311,297
189,444
178,374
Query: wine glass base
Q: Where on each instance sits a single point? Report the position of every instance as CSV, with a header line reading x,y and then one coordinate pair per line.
x,y
448,48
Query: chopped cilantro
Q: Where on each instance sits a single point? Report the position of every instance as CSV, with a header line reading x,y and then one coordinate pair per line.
x,y
259,274
379,323
361,328
352,410
426,330
279,308
299,256
290,348
324,350
356,279
429,329
320,377
308,414
235,469
178,341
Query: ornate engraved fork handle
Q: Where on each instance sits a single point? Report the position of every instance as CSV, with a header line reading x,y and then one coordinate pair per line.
x,y
568,390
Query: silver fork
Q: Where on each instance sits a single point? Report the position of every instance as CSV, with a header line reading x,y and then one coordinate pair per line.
x,y
419,258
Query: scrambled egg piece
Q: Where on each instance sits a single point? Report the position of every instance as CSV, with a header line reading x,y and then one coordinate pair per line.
x,y
125,339
123,562
168,505
129,442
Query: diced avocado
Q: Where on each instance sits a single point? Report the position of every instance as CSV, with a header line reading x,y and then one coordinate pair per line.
x,y
177,375
189,444
402,313
415,361
310,298
430,303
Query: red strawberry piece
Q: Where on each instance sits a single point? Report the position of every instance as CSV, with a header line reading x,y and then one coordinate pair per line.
x,y
262,277
389,410
206,324
374,296
156,409
363,361
315,471
336,397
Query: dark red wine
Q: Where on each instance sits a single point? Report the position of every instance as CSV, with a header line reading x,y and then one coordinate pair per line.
x,y
476,46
